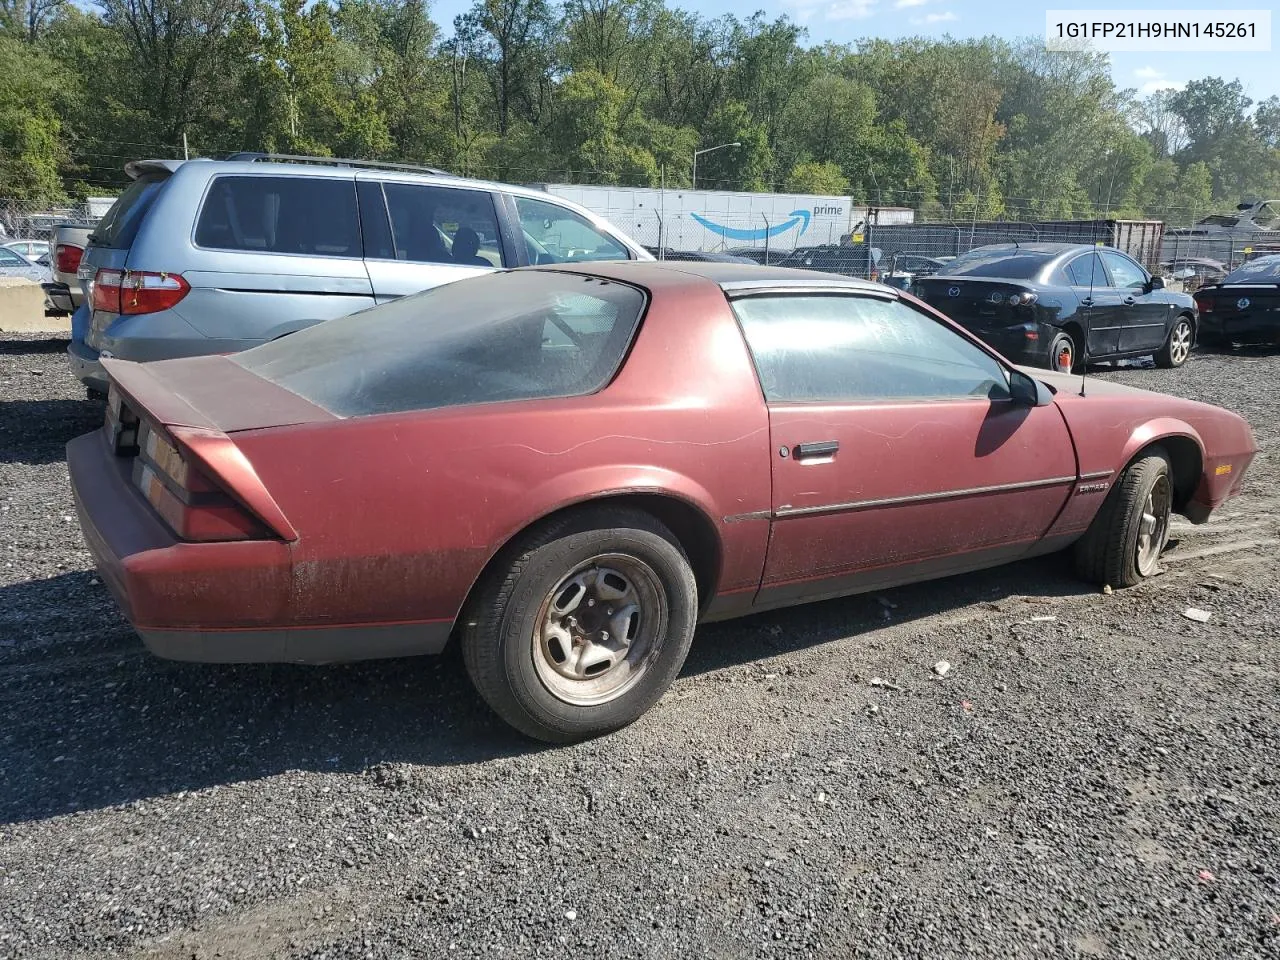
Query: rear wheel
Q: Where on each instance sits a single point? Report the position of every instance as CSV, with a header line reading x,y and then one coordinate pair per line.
x,y
584,627
1064,354
1125,540
1177,348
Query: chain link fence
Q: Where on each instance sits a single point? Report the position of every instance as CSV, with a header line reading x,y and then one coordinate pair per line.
x,y
30,220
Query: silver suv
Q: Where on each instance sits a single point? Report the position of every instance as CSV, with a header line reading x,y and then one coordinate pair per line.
x,y
216,256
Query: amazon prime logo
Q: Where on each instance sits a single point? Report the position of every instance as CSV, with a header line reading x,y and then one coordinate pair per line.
x,y
797,218
953,291
1242,303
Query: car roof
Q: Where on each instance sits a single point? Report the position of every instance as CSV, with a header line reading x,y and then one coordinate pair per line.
x,y
730,277
318,168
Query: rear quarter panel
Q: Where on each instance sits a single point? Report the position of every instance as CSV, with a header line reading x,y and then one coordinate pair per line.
x,y
398,514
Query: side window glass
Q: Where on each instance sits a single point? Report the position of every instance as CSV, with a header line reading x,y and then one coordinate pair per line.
x,y
842,348
1124,272
556,234
443,225
1086,271
315,216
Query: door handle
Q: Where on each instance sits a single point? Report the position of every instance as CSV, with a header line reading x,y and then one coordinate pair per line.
x,y
823,448
1087,302
1129,301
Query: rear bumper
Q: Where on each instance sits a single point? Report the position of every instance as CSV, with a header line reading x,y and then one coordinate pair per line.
x,y
1024,343
210,602
57,298
1255,329
86,366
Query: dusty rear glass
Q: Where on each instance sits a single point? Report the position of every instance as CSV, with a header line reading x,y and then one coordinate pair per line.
x,y
1262,270
1011,264
120,224
521,335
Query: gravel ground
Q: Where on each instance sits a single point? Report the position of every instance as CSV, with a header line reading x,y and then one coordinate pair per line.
x,y
1097,776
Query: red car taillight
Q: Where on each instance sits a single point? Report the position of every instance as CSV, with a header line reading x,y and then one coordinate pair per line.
x,y
189,502
1204,304
66,257
137,291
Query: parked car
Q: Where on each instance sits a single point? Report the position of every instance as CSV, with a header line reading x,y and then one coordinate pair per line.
x,y
1244,307
568,468
33,250
850,260
14,264
65,291
1061,305
207,256
1195,272
903,268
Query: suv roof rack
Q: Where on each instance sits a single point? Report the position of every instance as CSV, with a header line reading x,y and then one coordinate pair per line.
x,y
251,156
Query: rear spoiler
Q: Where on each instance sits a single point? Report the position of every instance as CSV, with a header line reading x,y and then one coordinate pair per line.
x,y
139,168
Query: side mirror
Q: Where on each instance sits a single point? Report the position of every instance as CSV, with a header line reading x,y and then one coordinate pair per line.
x,y
1156,283
1026,391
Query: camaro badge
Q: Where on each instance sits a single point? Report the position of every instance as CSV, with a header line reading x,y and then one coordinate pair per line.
x,y
1092,487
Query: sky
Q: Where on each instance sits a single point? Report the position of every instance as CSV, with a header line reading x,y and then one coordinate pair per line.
x,y
844,21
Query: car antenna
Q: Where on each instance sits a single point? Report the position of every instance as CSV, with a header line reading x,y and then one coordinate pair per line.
x,y
1094,262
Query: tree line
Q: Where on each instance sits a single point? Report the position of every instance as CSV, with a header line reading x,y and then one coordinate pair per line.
x,y
616,92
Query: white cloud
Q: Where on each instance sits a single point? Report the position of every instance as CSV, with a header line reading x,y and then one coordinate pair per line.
x,y
849,9
903,4
945,17
805,10
1148,73
1151,86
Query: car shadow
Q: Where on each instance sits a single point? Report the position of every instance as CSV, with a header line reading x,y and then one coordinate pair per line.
x,y
89,719
51,345
37,431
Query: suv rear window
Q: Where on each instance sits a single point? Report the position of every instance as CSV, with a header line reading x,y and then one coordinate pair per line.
x,y
307,215
519,335
120,224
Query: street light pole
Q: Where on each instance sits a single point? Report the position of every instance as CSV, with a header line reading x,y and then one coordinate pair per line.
x,y
698,153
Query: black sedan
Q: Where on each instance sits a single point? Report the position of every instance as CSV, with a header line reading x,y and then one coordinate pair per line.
x,y
1244,307
1060,305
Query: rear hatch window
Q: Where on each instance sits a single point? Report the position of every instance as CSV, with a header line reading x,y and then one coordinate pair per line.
x,y
521,335
117,229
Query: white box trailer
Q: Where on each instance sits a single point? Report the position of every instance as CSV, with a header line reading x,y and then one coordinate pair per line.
x,y
718,220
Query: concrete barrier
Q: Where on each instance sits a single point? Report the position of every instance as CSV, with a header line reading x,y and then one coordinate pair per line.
x,y
22,309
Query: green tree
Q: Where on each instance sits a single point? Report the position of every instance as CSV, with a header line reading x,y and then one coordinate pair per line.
x,y
31,149
814,177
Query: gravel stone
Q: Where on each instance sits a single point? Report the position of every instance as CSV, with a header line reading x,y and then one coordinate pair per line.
x,y
1100,785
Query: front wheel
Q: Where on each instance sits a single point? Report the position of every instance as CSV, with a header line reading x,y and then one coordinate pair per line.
x,y
584,627
1177,348
1125,540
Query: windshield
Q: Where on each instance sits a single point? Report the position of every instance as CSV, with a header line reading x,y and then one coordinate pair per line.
x,y
1012,263
1262,270
518,335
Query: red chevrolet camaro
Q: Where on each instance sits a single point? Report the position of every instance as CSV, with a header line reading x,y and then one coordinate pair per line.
x,y
570,467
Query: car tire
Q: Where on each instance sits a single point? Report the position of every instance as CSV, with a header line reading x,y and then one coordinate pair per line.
x,y
1177,348
1123,544
1064,346
558,678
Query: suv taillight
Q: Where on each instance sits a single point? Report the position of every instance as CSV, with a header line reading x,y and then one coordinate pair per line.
x,y
137,291
66,257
